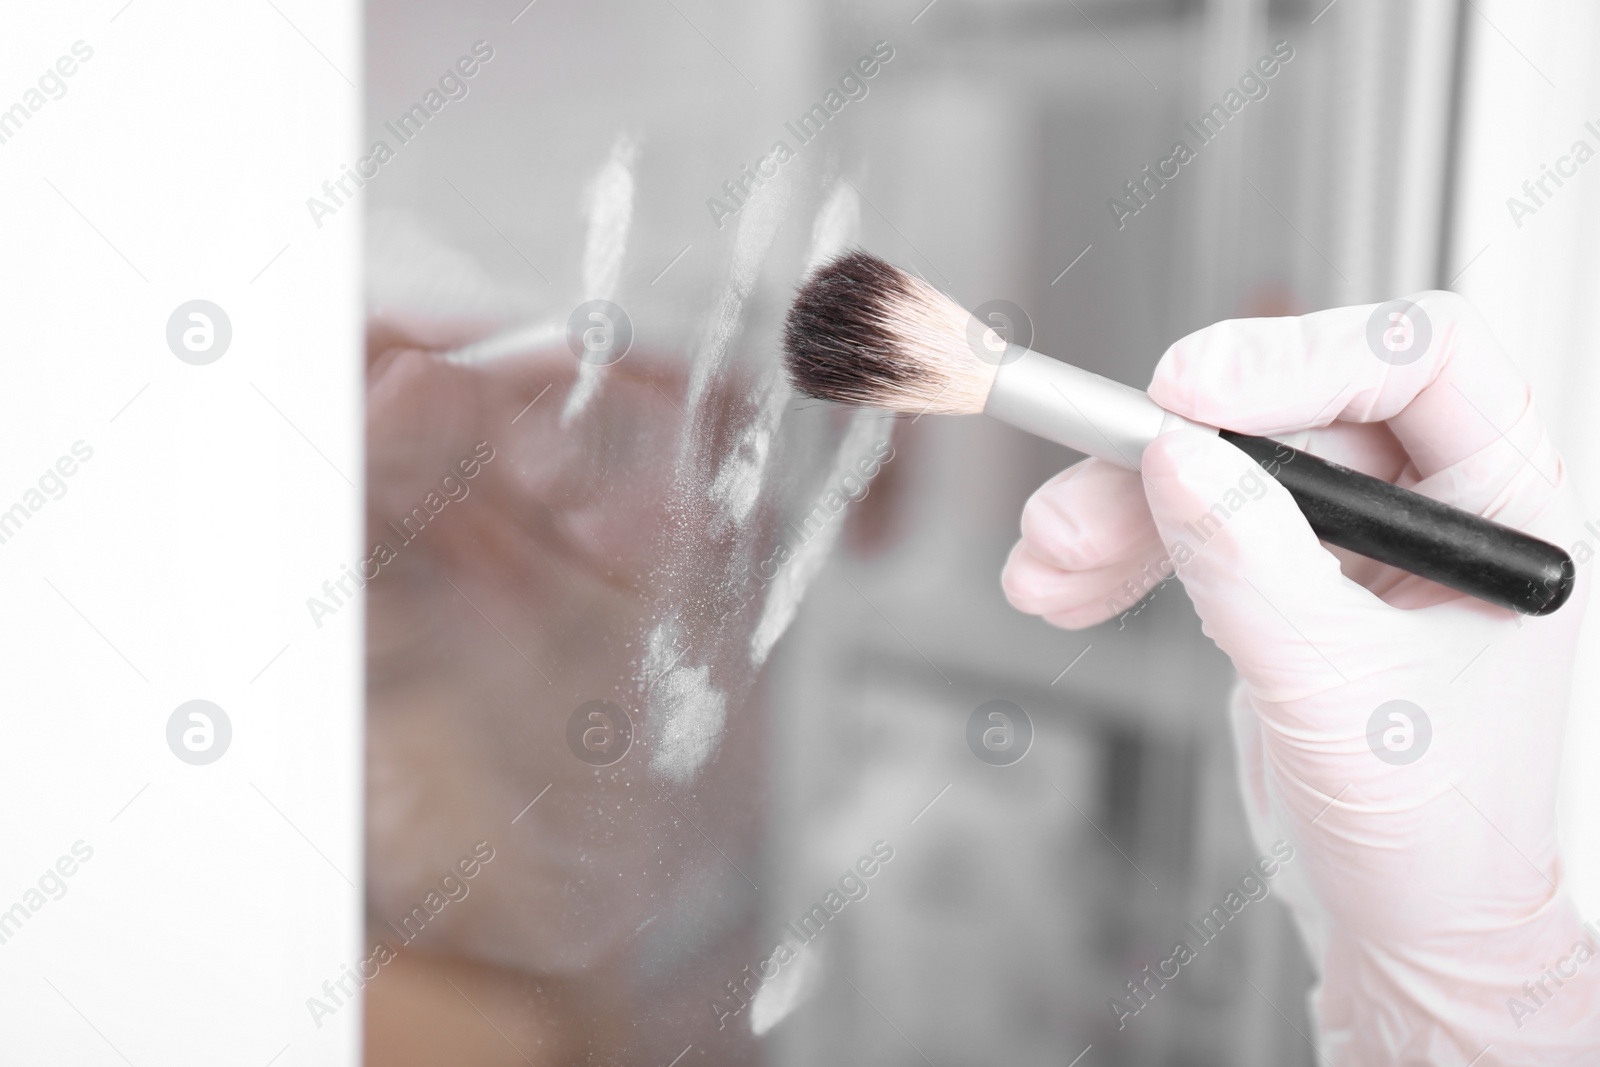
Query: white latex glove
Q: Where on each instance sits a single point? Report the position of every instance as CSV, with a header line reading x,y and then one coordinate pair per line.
x,y
1428,892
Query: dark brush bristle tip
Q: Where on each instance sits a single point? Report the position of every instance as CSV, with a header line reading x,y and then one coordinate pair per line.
x,y
836,341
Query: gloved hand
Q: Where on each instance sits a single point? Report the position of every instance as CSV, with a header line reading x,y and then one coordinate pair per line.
x,y
1427,885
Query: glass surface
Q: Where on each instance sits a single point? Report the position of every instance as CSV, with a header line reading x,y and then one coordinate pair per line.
x,y
706,664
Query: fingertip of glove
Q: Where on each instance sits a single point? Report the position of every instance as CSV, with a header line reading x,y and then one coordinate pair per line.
x,y
1185,380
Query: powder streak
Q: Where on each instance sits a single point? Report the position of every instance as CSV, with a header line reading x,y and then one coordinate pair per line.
x,y
836,227
737,486
757,227
608,204
738,483
790,584
687,713
782,995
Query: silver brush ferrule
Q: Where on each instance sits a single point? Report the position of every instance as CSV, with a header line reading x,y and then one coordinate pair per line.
x,y
1077,408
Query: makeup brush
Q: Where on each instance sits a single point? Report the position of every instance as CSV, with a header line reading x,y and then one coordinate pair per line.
x,y
864,332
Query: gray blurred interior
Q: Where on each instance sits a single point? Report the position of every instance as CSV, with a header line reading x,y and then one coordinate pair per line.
x,y
1021,898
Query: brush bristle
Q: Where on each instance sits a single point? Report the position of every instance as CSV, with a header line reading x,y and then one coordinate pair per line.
x,y
864,332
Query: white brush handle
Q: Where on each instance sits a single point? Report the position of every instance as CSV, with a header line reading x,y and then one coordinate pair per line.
x,y
1078,408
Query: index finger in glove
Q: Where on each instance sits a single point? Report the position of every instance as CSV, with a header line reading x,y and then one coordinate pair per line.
x,y
1426,365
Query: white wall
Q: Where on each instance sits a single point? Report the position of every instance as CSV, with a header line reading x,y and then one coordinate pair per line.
x,y
1532,86
176,566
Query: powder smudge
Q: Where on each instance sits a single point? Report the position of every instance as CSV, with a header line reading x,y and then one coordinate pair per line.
x,y
693,713
737,485
686,711
836,227
608,204
777,999
517,341
793,578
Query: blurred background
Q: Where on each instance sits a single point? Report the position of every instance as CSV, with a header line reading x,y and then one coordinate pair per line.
x,y
792,614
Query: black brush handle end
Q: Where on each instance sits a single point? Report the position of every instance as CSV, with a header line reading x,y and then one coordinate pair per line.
x,y
1445,544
